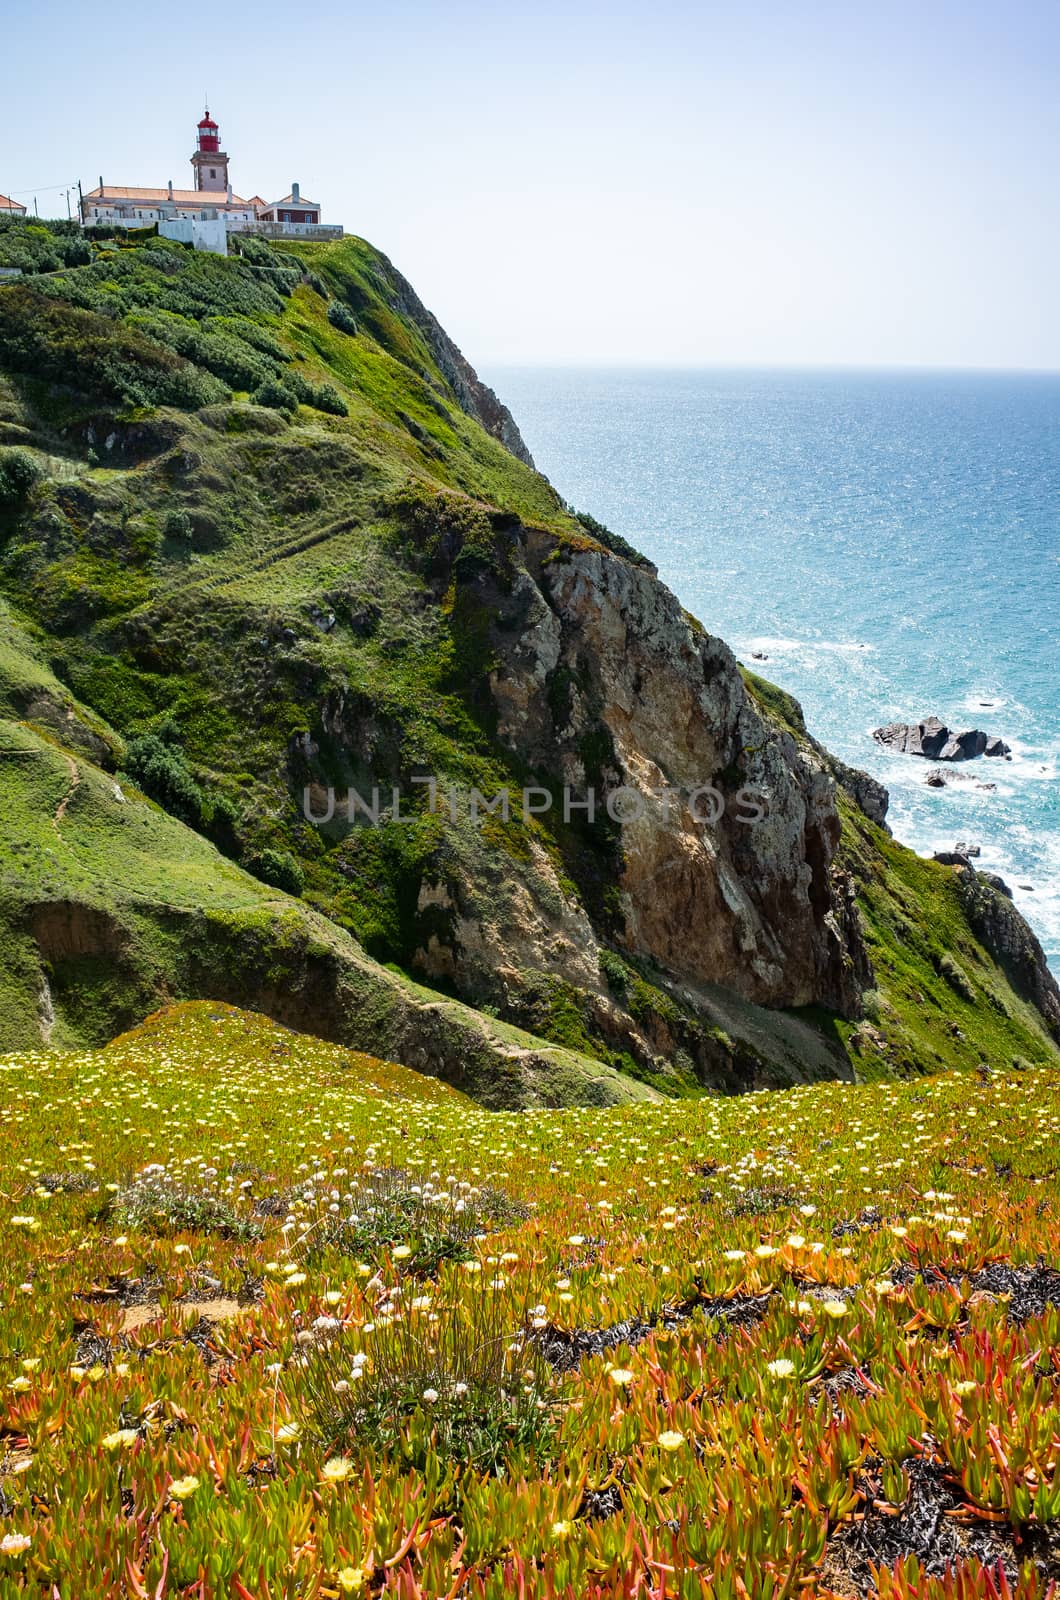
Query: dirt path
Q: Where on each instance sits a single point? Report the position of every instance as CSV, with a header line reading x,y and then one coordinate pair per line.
x,y
75,779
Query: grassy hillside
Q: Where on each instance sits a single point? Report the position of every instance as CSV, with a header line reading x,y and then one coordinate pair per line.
x,y
248,513
285,1321
108,903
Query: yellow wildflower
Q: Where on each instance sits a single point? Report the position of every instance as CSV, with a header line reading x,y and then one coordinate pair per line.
x,y
120,1440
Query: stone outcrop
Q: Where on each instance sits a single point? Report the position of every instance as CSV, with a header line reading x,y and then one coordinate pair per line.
x,y
932,739
996,921
867,792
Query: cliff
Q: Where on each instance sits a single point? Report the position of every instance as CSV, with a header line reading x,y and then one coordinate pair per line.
x,y
265,534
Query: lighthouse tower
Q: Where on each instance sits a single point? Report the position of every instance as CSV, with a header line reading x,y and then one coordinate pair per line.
x,y
210,163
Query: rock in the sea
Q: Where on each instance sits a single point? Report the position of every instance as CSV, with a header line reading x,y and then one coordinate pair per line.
x,y
935,780
925,738
964,746
931,738
967,850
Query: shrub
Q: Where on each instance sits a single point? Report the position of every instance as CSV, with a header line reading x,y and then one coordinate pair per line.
x,y
276,396
442,525
463,1381
613,541
764,1200
280,869
162,772
340,316
79,349
156,1203
614,971
18,473
218,349
327,398
178,525
393,1208
37,246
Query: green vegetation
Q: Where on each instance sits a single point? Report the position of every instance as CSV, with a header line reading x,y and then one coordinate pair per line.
x,y
800,1340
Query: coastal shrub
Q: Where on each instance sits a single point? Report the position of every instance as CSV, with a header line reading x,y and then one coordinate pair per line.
x,y
276,396
157,1203
462,1381
47,339
614,971
327,398
178,525
613,541
18,473
251,333
280,869
443,525
162,772
267,264
391,1209
340,316
36,246
219,349
156,763
164,276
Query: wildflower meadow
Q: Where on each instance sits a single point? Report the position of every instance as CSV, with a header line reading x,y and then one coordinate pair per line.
x,y
280,1320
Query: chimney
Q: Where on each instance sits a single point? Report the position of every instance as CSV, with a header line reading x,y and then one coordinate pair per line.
x,y
295,196
229,194
101,180
171,190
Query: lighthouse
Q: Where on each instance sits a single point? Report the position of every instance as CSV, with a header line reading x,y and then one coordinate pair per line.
x,y
190,214
210,162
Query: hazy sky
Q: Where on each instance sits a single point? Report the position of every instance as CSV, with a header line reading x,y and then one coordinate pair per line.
x,y
667,182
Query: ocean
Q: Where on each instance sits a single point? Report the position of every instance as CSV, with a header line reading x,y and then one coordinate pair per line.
x,y
889,541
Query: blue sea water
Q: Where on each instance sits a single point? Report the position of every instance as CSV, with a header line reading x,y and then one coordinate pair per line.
x,y
889,540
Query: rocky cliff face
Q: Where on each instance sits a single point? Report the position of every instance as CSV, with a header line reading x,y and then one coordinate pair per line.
x,y
603,681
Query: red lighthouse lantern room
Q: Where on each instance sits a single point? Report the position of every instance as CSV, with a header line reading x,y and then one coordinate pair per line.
x,y
209,135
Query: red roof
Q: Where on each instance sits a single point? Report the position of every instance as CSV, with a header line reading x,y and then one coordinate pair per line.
x,y
207,122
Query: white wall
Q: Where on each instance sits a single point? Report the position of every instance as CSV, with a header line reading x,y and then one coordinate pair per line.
x,y
210,236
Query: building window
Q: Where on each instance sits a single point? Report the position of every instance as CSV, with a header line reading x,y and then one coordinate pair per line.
x,y
213,173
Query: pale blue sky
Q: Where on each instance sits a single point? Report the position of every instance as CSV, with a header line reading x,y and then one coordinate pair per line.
x,y
669,182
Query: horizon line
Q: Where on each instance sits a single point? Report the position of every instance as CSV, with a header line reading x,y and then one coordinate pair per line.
x,y
615,364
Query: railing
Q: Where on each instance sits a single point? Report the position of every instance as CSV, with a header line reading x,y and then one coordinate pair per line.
x,y
287,230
